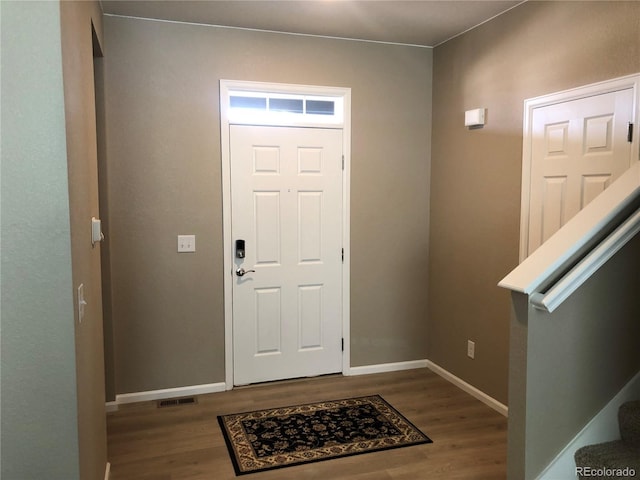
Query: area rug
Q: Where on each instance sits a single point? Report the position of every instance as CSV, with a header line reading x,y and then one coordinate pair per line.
x,y
282,437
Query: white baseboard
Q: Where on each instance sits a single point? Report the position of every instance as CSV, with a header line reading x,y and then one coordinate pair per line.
x,y
169,393
601,428
107,471
386,367
470,389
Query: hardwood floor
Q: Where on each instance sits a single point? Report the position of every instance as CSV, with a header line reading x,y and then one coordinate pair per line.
x,y
185,442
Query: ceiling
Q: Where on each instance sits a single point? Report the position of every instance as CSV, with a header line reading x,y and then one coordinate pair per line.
x,y
412,22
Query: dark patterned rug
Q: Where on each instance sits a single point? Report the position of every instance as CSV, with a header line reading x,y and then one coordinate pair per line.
x,y
282,437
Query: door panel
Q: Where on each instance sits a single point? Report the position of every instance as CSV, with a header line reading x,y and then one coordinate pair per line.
x,y
310,316
287,206
553,207
309,227
578,148
266,206
268,320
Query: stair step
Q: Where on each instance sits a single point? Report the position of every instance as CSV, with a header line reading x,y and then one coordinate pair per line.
x,y
609,456
629,421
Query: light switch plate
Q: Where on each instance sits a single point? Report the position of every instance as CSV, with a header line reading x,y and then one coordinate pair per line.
x,y
186,243
96,231
81,303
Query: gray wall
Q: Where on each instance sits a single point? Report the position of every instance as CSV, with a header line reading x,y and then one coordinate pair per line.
x,y
578,358
39,424
164,179
534,49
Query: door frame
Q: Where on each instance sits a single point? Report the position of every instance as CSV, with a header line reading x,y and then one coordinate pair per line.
x,y
228,86
599,88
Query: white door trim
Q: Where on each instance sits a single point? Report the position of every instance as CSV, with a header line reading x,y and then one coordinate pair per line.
x,y
227,86
607,86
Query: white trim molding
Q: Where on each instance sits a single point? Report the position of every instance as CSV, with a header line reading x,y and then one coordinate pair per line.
x,y
386,367
470,389
169,393
107,471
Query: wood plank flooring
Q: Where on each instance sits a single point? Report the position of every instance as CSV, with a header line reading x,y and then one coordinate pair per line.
x,y
185,443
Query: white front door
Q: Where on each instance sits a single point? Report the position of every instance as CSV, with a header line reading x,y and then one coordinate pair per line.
x,y
286,194
578,148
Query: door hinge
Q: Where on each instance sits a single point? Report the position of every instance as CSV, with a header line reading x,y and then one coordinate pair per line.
x,y
343,344
342,162
630,132
343,255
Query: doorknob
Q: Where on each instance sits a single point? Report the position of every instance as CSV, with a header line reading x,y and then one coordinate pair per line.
x,y
241,272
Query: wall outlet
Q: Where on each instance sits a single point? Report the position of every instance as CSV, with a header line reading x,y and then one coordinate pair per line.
x,y
186,243
471,349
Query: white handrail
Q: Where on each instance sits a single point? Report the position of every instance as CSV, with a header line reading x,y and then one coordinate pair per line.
x,y
551,299
574,239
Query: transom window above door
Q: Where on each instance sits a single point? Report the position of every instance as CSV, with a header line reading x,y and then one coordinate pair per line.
x,y
265,108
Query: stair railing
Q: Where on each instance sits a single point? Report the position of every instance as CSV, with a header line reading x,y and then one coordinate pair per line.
x,y
579,274
586,242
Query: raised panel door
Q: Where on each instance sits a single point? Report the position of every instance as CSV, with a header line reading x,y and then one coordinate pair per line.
x,y
578,148
287,207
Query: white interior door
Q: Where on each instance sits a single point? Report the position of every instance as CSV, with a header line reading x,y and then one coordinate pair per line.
x,y
578,148
286,192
